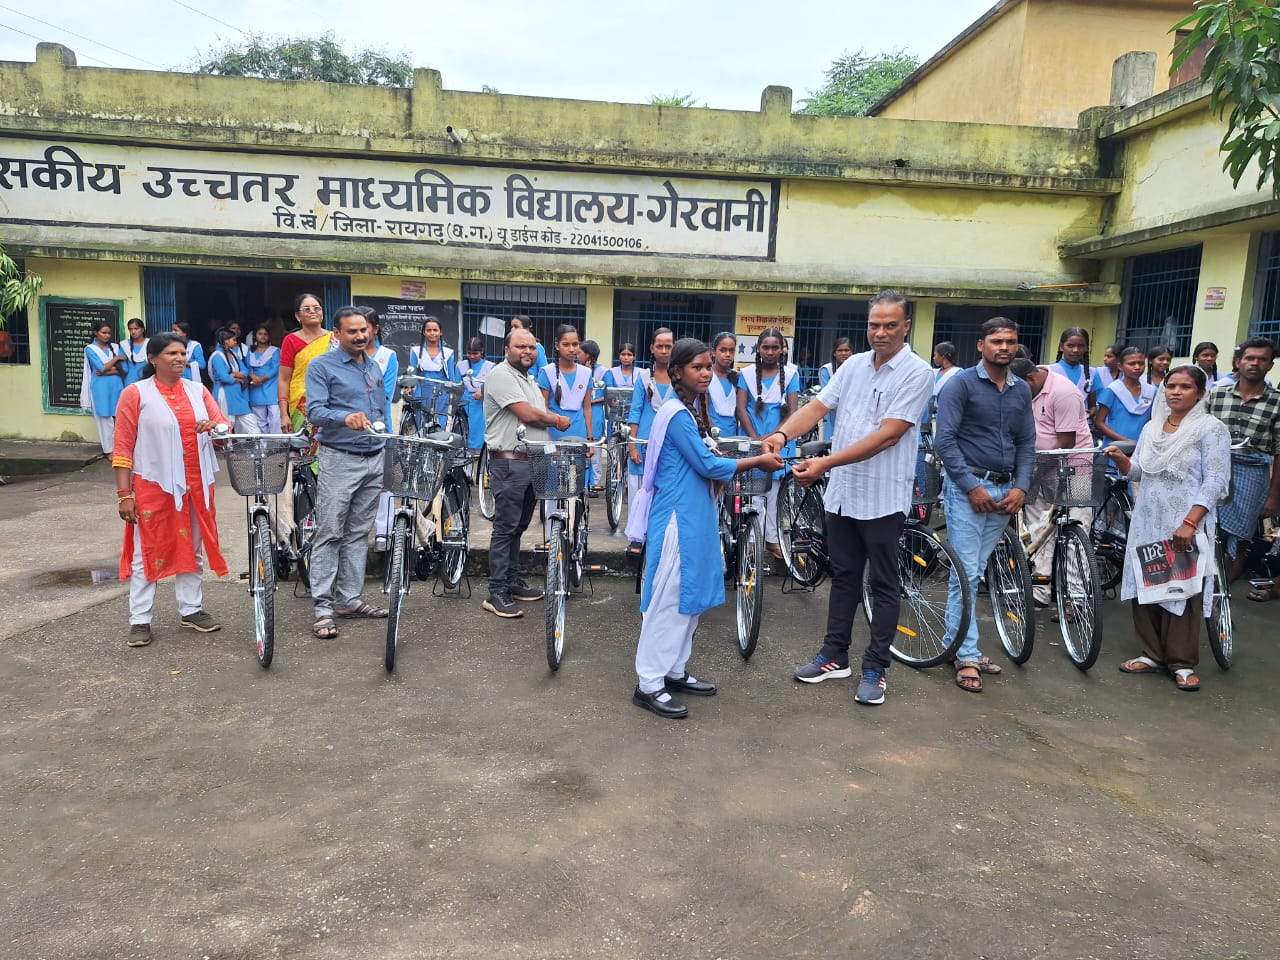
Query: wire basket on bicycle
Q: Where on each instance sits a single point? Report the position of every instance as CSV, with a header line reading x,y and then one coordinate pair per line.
x,y
1070,478
927,487
557,468
749,483
258,464
617,402
415,466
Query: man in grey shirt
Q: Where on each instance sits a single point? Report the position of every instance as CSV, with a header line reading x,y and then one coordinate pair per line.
x,y
512,398
344,396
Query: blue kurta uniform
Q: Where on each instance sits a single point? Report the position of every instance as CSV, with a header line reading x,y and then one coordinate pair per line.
x,y
682,487
722,395
643,412
825,373
473,379
136,360
232,397
264,363
104,391
442,366
770,418
575,389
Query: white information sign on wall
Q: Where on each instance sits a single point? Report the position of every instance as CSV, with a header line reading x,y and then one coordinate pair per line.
x,y
385,201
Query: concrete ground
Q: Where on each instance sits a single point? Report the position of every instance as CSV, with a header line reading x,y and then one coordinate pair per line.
x,y
179,801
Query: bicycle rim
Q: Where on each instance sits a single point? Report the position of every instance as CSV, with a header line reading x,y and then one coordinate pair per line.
x,y
578,558
262,584
1075,574
397,586
304,520
1218,619
454,531
749,585
1012,601
487,505
615,481
926,564
557,592
808,524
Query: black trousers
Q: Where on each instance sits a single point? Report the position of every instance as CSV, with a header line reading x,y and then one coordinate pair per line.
x,y
513,501
854,546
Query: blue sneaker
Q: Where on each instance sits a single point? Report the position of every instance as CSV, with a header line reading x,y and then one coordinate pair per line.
x,y
871,688
821,668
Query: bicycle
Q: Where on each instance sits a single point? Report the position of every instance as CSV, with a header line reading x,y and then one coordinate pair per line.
x,y
1217,619
617,404
417,468
742,540
430,405
925,565
258,465
1069,479
1109,530
558,472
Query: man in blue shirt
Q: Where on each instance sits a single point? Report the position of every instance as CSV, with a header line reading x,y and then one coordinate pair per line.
x,y
344,396
987,441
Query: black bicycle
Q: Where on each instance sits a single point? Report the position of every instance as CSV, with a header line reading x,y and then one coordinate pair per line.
x,y
617,404
742,539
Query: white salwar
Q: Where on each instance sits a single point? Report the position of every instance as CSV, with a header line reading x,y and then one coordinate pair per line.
x,y
666,634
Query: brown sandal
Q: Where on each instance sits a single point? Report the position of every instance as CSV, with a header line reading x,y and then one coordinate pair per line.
x,y
324,628
987,665
969,683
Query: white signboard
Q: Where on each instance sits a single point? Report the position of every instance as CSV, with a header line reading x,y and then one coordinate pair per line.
x,y
385,201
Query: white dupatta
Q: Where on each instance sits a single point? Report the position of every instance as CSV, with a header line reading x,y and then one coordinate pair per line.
x,y
157,450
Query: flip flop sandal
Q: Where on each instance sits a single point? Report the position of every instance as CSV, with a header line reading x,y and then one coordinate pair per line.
x,y
986,665
966,683
1142,666
324,629
1263,592
362,612
1186,680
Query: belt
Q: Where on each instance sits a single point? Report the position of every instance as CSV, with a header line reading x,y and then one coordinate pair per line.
x,y
507,455
359,453
995,476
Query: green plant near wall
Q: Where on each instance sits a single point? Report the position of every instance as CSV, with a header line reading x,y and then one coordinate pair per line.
x,y
1243,69
17,287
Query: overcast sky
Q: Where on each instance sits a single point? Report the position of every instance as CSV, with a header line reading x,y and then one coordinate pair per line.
x,y
724,53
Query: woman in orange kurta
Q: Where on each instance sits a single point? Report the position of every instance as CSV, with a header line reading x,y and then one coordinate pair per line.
x,y
165,468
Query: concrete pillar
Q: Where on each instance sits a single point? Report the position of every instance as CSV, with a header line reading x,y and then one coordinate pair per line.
x,y
598,323
1229,262
1133,78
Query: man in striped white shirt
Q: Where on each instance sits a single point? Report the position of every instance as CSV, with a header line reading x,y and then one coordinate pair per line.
x,y
878,398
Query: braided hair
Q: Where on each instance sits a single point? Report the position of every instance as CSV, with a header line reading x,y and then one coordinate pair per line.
x,y
775,333
221,337
1201,348
562,331
648,382
685,352
1083,334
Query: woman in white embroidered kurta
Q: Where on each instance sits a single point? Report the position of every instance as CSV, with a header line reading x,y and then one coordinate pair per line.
x,y
683,571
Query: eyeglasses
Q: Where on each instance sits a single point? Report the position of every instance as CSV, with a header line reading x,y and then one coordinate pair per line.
x,y
309,309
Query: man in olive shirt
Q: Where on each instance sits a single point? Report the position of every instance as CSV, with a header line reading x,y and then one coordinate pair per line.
x,y
512,398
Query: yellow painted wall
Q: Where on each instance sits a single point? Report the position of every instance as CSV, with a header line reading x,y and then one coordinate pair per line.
x,y
1042,62
20,386
599,321
1228,261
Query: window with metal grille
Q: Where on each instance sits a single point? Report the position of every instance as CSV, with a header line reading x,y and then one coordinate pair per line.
x,y
819,324
960,323
1265,318
638,313
15,339
487,308
1159,299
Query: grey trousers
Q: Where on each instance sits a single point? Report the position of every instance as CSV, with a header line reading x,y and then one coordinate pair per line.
x,y
346,502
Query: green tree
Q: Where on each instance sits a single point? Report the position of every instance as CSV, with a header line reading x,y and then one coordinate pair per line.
x,y
1243,72
857,81
306,58
17,287
676,99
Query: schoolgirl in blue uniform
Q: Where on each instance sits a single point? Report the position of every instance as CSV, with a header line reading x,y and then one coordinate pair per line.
x,y
103,382
474,371
624,374
434,359
566,385
264,371
683,573
195,352
841,351
766,396
589,357
722,395
135,351
231,383
652,389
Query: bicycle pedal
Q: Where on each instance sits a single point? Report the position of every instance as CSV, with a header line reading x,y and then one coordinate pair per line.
x,y
1040,579
243,576
541,550
595,569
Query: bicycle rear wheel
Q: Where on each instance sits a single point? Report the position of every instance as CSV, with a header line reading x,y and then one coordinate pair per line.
x,y
926,564
304,524
557,591
455,528
578,553
801,520
1109,533
749,584
262,585
397,585
1012,601
615,482
1217,618
1075,581
483,489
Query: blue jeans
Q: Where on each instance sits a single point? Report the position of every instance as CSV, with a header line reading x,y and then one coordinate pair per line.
x,y
973,536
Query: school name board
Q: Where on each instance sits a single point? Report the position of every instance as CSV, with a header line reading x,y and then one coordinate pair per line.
x,y
385,201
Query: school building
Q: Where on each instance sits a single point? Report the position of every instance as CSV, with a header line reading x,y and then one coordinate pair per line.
x,y
173,196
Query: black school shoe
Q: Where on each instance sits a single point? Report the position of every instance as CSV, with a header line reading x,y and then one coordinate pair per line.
x,y
661,703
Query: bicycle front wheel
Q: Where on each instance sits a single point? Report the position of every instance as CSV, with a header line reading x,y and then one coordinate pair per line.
x,y
455,528
749,584
1012,601
483,488
801,520
1109,533
397,586
1217,618
1076,582
557,591
615,482
262,585
926,564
